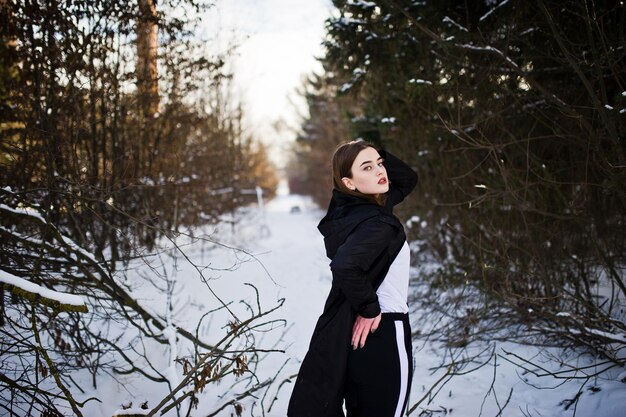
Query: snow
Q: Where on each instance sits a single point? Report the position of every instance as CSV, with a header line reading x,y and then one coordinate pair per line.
x,y
533,105
362,3
77,249
28,211
61,297
281,253
416,220
345,87
452,22
172,375
486,15
489,49
131,411
617,337
614,337
419,81
527,31
36,215
350,21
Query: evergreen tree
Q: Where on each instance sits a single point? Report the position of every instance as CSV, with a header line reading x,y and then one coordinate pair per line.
x,y
513,115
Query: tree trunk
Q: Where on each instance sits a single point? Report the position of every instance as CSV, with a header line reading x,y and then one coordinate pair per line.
x,y
147,76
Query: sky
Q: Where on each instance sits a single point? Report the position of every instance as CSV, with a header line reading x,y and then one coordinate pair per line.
x,y
279,41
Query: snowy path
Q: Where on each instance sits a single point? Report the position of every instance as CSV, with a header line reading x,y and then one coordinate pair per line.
x,y
289,262
297,261
285,240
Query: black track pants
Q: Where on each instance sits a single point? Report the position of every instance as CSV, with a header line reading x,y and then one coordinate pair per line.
x,y
380,373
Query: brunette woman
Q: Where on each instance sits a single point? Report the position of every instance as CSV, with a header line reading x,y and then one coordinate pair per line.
x,y
360,352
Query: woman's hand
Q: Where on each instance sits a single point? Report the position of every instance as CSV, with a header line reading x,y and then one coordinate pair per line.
x,y
362,328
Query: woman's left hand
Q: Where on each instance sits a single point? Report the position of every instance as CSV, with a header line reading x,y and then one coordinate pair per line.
x,y
362,328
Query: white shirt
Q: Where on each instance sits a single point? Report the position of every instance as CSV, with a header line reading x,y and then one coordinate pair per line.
x,y
394,290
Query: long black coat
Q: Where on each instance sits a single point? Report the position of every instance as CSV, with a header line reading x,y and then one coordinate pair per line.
x,y
362,240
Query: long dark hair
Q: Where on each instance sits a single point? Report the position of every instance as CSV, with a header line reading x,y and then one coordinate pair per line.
x,y
343,158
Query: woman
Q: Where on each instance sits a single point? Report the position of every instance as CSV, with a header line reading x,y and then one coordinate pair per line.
x,y
360,351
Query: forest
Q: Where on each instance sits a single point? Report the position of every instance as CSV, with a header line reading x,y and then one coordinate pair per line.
x,y
120,135
513,114
117,131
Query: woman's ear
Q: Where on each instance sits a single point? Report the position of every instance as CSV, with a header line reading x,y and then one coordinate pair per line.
x,y
348,183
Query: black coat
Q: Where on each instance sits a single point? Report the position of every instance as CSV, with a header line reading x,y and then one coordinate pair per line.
x,y
362,240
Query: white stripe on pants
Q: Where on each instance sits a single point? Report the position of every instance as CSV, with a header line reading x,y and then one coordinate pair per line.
x,y
404,367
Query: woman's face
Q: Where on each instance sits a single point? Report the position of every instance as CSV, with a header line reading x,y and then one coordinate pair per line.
x,y
368,173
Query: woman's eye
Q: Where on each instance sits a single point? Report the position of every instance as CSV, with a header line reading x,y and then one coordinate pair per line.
x,y
367,168
380,164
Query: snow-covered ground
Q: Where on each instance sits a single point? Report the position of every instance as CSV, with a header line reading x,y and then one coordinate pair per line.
x,y
283,257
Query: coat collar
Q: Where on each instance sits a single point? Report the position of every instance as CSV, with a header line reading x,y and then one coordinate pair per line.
x,y
345,213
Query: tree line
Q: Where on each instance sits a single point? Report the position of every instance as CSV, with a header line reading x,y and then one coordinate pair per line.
x,y
513,114
118,130
95,134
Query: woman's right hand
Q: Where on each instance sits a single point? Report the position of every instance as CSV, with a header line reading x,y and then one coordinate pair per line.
x,y
362,328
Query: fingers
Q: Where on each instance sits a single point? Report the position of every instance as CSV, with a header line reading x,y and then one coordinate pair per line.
x,y
361,336
376,323
357,330
362,328
360,324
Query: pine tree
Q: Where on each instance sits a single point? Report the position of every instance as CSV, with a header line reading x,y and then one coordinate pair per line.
x,y
512,113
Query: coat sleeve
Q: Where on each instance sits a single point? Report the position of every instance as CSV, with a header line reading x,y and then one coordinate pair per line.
x,y
354,257
402,179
